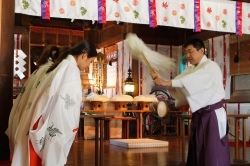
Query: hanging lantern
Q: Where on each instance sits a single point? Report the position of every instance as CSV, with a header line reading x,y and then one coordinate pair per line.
x,y
129,84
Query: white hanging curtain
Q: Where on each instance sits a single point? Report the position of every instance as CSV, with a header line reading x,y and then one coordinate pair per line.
x,y
219,52
124,62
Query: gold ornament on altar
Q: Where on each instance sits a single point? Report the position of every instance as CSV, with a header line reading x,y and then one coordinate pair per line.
x,y
99,73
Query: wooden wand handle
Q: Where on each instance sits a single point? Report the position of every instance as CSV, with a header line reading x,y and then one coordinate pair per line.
x,y
147,63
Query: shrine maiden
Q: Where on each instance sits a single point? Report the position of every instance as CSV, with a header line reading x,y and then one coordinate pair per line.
x,y
49,54
45,136
201,86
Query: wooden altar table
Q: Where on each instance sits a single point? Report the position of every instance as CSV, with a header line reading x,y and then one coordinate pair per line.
x,y
139,117
99,119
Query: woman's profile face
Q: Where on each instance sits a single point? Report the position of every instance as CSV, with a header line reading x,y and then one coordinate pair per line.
x,y
83,61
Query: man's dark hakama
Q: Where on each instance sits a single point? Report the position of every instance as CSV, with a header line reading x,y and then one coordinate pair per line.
x,y
205,149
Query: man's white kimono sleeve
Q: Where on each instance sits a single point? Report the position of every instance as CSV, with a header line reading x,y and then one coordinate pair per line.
x,y
201,86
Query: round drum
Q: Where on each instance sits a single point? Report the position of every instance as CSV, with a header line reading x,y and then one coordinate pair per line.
x,y
164,107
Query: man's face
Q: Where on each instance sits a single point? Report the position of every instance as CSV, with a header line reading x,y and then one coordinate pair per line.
x,y
194,56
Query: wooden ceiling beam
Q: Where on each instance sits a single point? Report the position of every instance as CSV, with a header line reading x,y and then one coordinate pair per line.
x,y
20,29
162,41
110,41
57,23
205,35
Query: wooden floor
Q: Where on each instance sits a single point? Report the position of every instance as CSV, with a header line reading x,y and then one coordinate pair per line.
x,y
83,154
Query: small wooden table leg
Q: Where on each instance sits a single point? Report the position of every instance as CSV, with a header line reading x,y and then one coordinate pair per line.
x,y
96,141
164,121
177,126
137,125
107,129
236,146
244,139
123,129
189,131
150,128
183,139
127,129
140,124
101,141
101,119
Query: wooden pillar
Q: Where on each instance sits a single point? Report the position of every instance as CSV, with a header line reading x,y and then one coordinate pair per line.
x,y
26,43
7,19
135,76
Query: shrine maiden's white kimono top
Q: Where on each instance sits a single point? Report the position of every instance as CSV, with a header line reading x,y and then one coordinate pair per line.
x,y
200,86
21,102
56,102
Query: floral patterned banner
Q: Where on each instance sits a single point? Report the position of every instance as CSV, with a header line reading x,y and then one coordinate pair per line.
x,y
75,9
175,14
214,15
133,11
245,18
218,16
45,8
113,10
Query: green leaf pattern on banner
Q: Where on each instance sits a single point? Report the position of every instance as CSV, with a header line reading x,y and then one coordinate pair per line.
x,y
25,4
83,11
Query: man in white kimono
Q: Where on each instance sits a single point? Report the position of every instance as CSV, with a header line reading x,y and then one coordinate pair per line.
x,y
201,86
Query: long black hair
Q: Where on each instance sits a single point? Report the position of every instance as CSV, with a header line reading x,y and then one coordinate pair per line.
x,y
50,52
82,47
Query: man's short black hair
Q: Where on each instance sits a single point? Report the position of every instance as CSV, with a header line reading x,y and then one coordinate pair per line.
x,y
196,43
